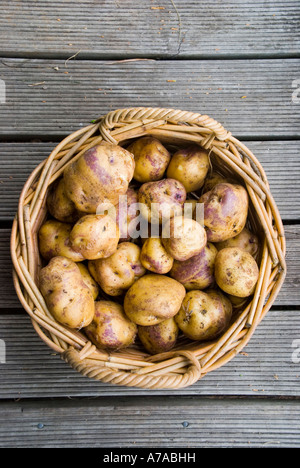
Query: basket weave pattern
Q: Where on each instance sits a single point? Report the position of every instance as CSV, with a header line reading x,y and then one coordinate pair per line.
x,y
187,362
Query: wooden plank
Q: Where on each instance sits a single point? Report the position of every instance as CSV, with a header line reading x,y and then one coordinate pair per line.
x,y
267,366
288,295
157,29
146,422
251,98
18,160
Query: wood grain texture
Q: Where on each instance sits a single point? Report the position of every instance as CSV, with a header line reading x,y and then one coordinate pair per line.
x,y
251,98
18,160
151,423
156,28
265,368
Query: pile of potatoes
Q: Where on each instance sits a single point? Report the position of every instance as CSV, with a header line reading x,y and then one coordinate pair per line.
x,y
119,289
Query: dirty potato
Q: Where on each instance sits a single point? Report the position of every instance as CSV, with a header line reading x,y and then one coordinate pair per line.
x,y
159,338
118,272
198,271
95,236
236,271
225,211
54,240
190,166
67,296
110,328
201,317
151,159
99,177
154,256
89,280
59,204
152,299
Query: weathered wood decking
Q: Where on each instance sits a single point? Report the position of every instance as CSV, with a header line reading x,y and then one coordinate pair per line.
x,y
66,63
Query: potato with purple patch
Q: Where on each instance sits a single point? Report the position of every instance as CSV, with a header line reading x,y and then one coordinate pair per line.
x,y
59,204
111,329
245,240
190,166
54,241
212,180
151,159
183,238
161,200
95,236
198,271
159,338
99,177
201,317
236,272
67,296
153,299
118,272
154,256
225,211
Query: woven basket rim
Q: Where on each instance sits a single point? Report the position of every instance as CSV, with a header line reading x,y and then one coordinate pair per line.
x,y
187,364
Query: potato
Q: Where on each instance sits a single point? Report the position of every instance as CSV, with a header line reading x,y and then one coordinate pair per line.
x,y
183,238
154,256
151,159
110,328
189,166
95,236
118,272
212,180
245,240
152,299
198,271
99,176
54,240
59,204
126,211
225,211
201,317
161,200
236,271
67,296
218,295
89,280
159,338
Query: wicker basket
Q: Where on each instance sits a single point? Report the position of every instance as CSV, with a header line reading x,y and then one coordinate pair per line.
x,y
188,361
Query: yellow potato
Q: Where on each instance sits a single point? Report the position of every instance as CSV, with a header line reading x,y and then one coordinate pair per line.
x,y
219,296
159,338
67,296
118,272
201,317
154,256
197,272
89,280
54,240
225,211
212,180
236,271
152,299
183,238
95,236
189,166
161,200
110,328
245,240
151,159
99,176
59,204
